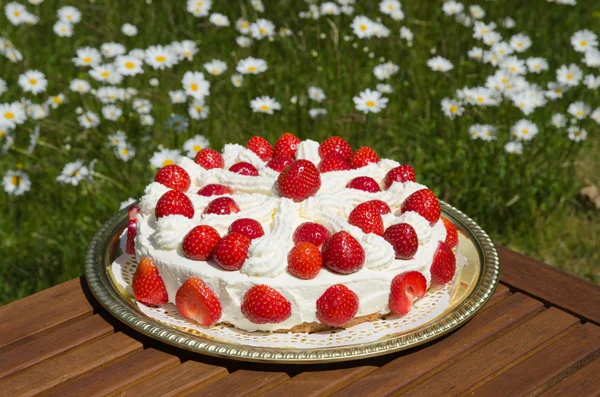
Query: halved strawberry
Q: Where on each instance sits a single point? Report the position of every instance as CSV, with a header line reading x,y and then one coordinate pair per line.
x,y
133,212
286,145
367,217
403,238
305,261
279,163
343,254
199,243
214,189
231,251
174,202
335,145
250,228
380,205
443,266
402,173
425,203
244,168
311,232
362,157
451,233
333,162
262,304
299,180
147,285
365,183
405,288
338,305
222,206
174,177
209,159
196,301
261,147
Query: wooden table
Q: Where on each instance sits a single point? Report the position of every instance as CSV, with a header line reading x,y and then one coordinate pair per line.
x,y
539,335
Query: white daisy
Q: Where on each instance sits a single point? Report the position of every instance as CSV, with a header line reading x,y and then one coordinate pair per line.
x,y
215,67
13,55
524,130
559,120
243,41
475,53
596,115
106,74
3,86
160,57
583,40
164,157
73,173
243,26
87,56
33,81
481,30
63,29
198,110
407,34
55,101
452,108
154,82
112,112
369,101
195,85
219,19
16,183
384,88
556,90
262,28
195,144
577,134
536,64
11,114
513,65
128,65
185,49
129,30
509,23
142,106
514,147
476,11
88,119
199,8
502,49
147,120
362,26
579,110
124,151
111,50
592,58
36,111
330,8
15,13
237,80
592,82
439,64
251,65
258,5
492,38
264,104
138,53
177,96
316,112
117,138
475,131
569,75
385,71
452,7
69,14
520,42
316,94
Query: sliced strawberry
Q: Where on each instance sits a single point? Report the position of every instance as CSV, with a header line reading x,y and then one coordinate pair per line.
x,y
262,304
299,180
403,238
333,162
338,305
443,266
335,145
405,288
362,157
214,189
174,177
174,202
286,145
147,285
305,261
133,212
367,217
231,251
451,233
343,254
250,228
222,206
244,168
209,159
402,173
261,147
311,232
279,163
425,203
365,183
196,301
381,206
199,243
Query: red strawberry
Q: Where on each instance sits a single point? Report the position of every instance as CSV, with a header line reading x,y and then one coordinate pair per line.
x,y
231,251
299,180
262,304
337,305
222,206
335,145
214,189
244,168
365,183
199,243
174,177
424,203
196,301
362,157
209,159
134,210
404,289
451,233
148,287
367,217
333,162
261,147
343,254
311,233
286,145
381,206
279,163
403,238
305,261
250,228
174,202
403,173
443,265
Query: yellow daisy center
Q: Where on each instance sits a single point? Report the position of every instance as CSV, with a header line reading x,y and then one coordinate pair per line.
x,y
161,58
17,13
363,27
129,65
480,99
87,60
252,68
390,7
187,53
194,87
583,43
453,109
579,112
15,180
505,80
262,30
570,76
216,71
265,108
105,73
370,103
484,31
57,100
525,131
558,91
124,151
244,25
167,162
199,108
512,69
9,115
2,133
197,148
32,81
519,45
69,17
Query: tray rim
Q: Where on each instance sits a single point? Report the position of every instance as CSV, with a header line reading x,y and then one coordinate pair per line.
x,y
101,287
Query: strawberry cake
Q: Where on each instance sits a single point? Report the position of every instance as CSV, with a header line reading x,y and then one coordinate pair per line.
x,y
297,237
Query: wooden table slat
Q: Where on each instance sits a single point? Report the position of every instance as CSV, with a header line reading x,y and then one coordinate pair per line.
x,y
242,383
502,292
50,373
40,346
424,361
42,307
548,366
187,377
585,382
119,376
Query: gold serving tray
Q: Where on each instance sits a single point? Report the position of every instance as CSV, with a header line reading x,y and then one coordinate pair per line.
x,y
475,285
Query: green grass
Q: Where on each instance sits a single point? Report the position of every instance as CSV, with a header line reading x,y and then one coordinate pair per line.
x,y
526,202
